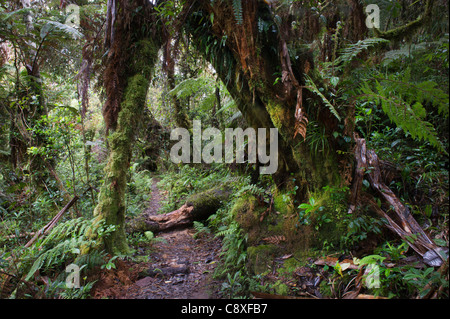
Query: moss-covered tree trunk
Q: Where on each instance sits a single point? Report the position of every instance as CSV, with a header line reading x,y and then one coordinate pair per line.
x,y
247,46
133,50
111,202
29,110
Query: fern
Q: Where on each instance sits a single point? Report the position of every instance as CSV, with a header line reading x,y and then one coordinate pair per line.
x,y
224,231
237,10
252,189
409,50
56,255
403,102
66,241
208,102
200,228
230,104
352,51
189,87
233,249
310,85
52,26
194,86
263,26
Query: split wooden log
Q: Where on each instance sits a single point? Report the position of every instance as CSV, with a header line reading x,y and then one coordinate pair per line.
x,y
197,207
399,218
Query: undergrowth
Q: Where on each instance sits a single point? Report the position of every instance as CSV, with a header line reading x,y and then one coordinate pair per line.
x,y
43,267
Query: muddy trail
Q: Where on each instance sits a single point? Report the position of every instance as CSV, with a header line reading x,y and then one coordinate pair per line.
x,y
179,265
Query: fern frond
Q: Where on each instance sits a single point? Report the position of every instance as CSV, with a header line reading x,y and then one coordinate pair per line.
x,y
201,228
190,87
50,26
252,189
350,52
208,102
225,232
404,108
4,16
426,91
56,255
237,10
66,240
229,104
310,85
275,239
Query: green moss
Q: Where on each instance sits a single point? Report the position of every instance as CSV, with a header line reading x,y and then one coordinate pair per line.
x,y
146,51
289,266
209,201
111,203
283,203
259,258
247,212
280,288
325,289
244,211
277,114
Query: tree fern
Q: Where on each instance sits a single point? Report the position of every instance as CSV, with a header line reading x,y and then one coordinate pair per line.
x,y
208,102
189,87
230,104
65,29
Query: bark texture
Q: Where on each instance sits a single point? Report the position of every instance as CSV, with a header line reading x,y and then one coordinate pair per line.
x,y
133,49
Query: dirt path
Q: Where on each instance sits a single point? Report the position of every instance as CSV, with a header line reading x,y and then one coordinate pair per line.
x,y
180,268
179,265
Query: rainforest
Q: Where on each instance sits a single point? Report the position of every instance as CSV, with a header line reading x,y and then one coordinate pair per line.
x,y
224,149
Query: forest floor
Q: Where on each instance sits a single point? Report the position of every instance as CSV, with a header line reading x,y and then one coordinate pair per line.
x,y
180,266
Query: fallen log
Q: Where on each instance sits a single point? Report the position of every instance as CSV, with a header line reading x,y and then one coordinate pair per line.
x,y
197,207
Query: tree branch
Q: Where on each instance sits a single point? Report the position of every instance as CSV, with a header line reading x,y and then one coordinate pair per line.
x,y
410,27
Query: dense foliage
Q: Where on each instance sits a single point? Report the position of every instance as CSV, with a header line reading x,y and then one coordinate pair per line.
x,y
67,92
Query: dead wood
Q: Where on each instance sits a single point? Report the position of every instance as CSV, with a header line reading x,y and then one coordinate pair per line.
x,y
44,230
332,261
197,207
398,216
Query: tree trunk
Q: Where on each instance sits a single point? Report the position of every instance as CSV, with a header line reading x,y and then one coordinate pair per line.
x,y
151,136
181,117
132,55
257,71
197,207
29,108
